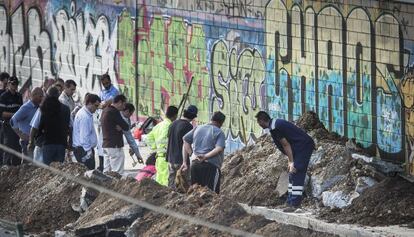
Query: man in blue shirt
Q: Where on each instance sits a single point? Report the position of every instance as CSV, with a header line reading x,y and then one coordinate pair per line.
x,y
84,135
107,96
108,92
298,146
20,121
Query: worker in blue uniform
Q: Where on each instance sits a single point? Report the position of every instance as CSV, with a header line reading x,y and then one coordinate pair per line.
x,y
298,146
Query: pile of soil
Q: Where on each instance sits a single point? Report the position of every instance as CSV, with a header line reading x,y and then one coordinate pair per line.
x,y
310,122
199,202
390,202
251,174
38,199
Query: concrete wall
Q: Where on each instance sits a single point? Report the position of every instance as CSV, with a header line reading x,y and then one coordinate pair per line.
x,y
350,61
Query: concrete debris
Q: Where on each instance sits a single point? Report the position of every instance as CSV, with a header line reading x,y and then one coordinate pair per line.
x,y
363,183
338,199
111,223
320,184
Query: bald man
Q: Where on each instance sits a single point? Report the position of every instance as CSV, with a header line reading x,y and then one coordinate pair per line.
x,y
20,121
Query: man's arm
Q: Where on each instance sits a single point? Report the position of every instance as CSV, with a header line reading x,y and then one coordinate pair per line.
x,y
220,145
33,134
15,119
288,151
217,150
121,122
7,115
186,152
132,143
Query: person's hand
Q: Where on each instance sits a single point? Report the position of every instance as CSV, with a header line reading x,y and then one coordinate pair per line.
x,y
291,167
23,136
30,147
118,128
184,167
131,152
201,157
140,160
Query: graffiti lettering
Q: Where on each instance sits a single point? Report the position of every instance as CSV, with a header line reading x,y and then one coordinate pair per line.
x,y
30,59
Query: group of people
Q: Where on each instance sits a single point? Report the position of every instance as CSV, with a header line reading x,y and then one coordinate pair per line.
x,y
51,126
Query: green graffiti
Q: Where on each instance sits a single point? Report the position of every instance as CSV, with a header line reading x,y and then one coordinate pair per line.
x,y
126,56
170,53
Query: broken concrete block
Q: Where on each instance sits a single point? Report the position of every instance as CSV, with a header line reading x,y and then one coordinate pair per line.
x,y
338,199
320,184
362,157
101,226
364,183
282,184
317,157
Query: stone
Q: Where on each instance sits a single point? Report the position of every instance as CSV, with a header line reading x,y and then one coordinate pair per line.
x,y
101,226
338,199
320,184
317,157
282,184
364,183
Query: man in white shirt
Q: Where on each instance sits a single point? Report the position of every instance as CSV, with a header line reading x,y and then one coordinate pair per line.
x,y
66,96
84,135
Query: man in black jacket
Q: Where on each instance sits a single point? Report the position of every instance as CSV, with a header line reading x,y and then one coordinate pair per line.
x,y
112,126
176,133
10,102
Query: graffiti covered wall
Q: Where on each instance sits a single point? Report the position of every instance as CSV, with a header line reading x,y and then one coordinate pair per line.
x,y
352,64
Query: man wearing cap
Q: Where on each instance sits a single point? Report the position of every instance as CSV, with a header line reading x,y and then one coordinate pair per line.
x,y
10,102
177,130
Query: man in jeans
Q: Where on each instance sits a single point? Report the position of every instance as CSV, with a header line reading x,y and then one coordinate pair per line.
x,y
84,135
112,126
208,142
54,125
177,130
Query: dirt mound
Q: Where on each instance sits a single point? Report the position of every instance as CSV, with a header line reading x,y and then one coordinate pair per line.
x,y
251,175
199,202
310,122
37,198
388,203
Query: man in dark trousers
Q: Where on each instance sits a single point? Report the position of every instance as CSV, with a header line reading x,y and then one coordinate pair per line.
x,y
177,130
10,102
4,78
298,146
206,143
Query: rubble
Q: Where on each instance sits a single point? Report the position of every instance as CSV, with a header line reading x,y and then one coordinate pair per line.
x,y
38,198
340,171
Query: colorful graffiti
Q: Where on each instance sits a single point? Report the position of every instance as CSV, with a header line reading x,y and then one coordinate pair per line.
x,y
171,51
353,65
